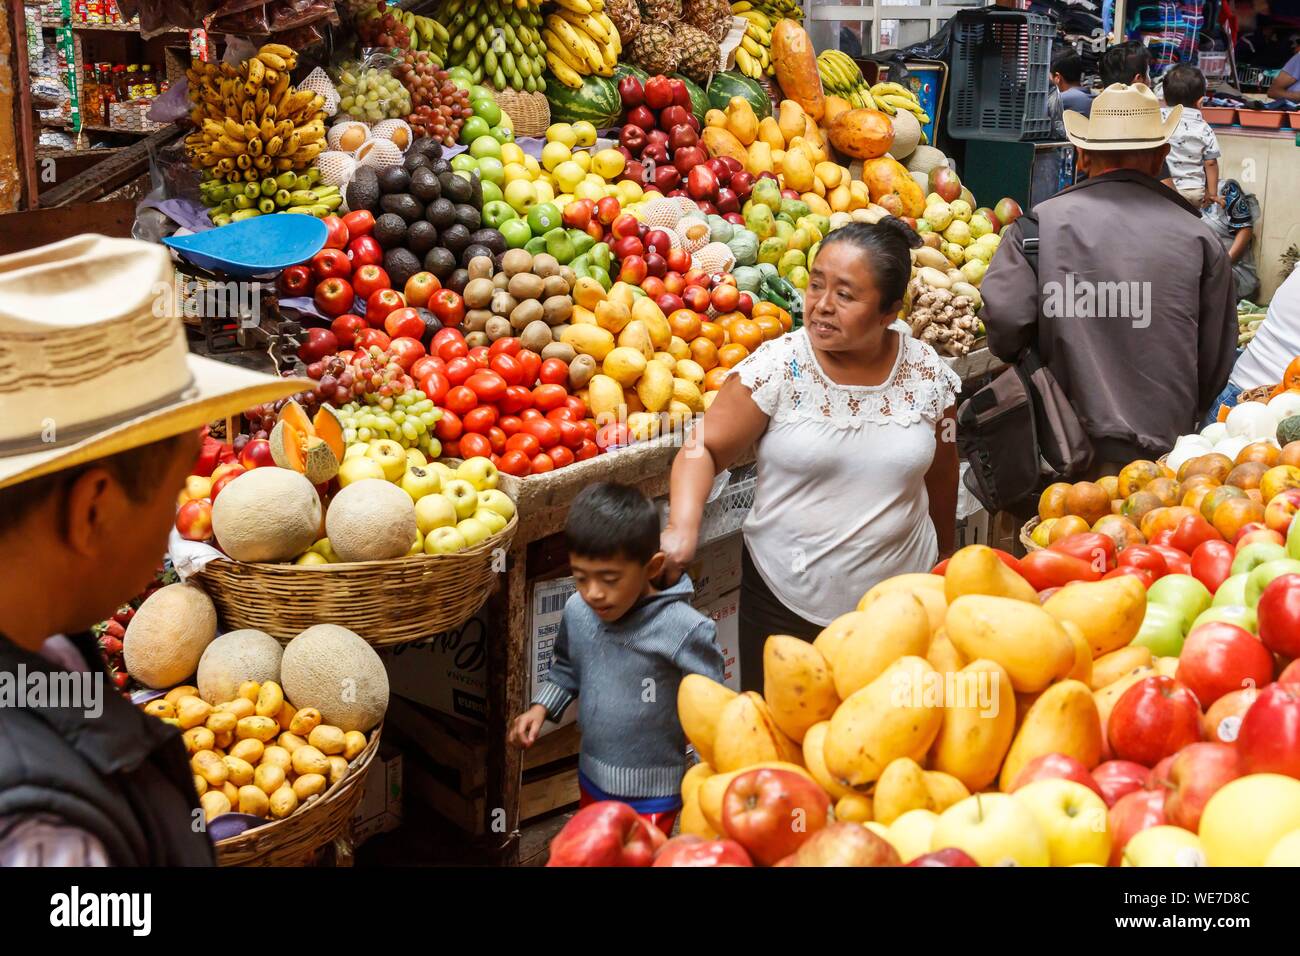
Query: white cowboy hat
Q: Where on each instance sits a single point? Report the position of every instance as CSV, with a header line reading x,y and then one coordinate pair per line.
x,y
93,359
1122,117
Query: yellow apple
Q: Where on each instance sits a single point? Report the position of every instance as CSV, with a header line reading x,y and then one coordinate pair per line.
x,y
498,501
553,154
996,829
323,547
417,546
359,468
911,832
311,557
1247,817
445,471
1286,851
490,518
415,457
1072,816
444,541
420,480
879,829
434,511
463,497
479,472
1163,846
473,531
356,450
391,457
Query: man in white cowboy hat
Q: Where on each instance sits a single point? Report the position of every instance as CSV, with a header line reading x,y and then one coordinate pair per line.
x,y
100,409
1130,301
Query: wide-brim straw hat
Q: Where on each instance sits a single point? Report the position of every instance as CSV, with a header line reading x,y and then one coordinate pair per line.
x,y
1122,117
93,358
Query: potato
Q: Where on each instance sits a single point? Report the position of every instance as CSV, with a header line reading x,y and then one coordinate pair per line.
x,y
545,265
160,708
338,769
241,707
283,802
536,335
555,285
478,293
480,267
328,740
308,785
291,741
476,320
477,339
263,728
269,699
526,285
223,740
516,261
254,800
238,771
355,743
277,756
581,369
560,350
214,804
192,711
174,695
557,309
305,721
285,717
498,327
249,690
250,749
198,738
201,785
221,722
268,777
527,312
308,759
210,767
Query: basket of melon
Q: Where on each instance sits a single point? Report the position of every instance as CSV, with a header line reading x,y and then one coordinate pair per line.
x,y
371,537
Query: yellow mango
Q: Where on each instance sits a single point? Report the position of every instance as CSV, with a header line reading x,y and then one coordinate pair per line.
x,y
720,142
643,426
769,132
692,779
715,118
746,735
901,787
582,316
814,742
1108,612
588,293
1063,720
942,655
690,370
759,157
655,387
688,394
692,820
861,195
817,204
742,123
621,293
1111,667
885,720
853,808
678,348
589,340
1023,638
840,198
895,627
944,789
635,336
699,705
790,118
1081,667
778,160
714,788
798,170
797,685
976,734
927,588
828,173
624,364
647,310
604,396
836,632
976,569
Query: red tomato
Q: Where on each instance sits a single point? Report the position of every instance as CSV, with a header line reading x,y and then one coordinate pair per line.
x,y
510,424
613,435
508,367
588,430
460,369
532,363
449,428
525,442
547,432
498,439
369,279
579,410
1177,561
1052,569
436,386
1191,531
461,399
542,462
474,445
588,449
509,345
487,385
562,414
1145,575
448,306
480,419
451,449
359,223
570,434
404,321
1145,557
446,335
426,364
531,415
547,397
1161,537
516,399
515,463
554,372
561,456
452,349
480,355
1212,563
407,351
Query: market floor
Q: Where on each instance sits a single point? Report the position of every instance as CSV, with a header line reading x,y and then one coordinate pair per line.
x,y
425,839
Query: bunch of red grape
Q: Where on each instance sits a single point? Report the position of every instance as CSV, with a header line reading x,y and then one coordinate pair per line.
x,y
440,107
384,30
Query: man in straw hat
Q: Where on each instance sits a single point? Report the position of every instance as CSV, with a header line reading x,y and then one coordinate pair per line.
x,y
1130,301
100,410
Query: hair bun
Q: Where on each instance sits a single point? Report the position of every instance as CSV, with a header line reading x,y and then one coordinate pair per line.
x,y
897,225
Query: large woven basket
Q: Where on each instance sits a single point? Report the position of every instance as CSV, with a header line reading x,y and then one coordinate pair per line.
x,y
295,840
386,602
1026,531
530,113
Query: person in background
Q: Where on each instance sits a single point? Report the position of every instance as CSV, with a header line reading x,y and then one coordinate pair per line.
x,y
1286,85
1274,347
1128,62
1193,149
1067,74
623,648
1233,218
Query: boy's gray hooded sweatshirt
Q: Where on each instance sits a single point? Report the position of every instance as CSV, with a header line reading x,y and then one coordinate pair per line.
x,y
625,676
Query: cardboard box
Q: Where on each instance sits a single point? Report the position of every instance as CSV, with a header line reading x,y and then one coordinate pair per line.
x,y
447,672
545,611
725,613
380,809
715,572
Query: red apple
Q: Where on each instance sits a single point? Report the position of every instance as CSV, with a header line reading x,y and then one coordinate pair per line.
x,y
669,302
642,117
1281,508
789,194
702,183
746,304
607,210
1055,766
1197,772
690,850
380,304
420,289
759,806
257,454
673,115
1279,615
625,225
733,165
688,158
627,247
194,519
369,279
1254,533
707,207
1154,718
632,138
1115,778
1133,813
331,264
742,184
1159,779
657,137
720,170
635,171
681,136
631,92
345,328
658,92
633,270
948,856
334,296
607,833
1269,737
735,218
725,298
728,201
1218,658
365,251
680,95
990,215
578,213
656,265
657,153
319,343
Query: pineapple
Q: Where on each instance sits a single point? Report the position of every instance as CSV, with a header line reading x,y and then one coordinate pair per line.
x,y
699,53
654,49
625,17
661,11
710,16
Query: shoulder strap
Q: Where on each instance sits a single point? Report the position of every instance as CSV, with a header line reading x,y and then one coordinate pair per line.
x,y
1029,239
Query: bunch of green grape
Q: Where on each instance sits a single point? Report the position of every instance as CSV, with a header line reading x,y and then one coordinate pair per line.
x,y
408,419
371,94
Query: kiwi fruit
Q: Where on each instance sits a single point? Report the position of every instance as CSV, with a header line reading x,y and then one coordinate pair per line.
x,y
535,336
516,261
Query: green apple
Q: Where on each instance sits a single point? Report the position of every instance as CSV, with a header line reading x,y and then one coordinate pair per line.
x,y
1073,817
1163,845
497,212
473,531
490,170
491,519
1162,630
498,501
1239,614
1183,593
1253,555
543,217
444,541
464,163
522,196
391,458
492,192
479,472
485,145
463,497
359,468
996,829
417,547
1293,540
515,232
1259,578
434,511
502,134
1231,591
487,108
474,127
420,481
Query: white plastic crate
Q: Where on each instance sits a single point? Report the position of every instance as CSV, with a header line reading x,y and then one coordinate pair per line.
x,y
728,503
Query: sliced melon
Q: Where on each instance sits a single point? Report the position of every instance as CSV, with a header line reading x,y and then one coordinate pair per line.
x,y
296,445
328,426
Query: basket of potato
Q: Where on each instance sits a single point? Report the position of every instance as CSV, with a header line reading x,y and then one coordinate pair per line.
x,y
286,782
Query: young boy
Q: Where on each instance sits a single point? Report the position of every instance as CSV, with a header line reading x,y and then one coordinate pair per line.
x,y
622,649
1193,149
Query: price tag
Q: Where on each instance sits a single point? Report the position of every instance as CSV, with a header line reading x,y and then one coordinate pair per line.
x,y
68,52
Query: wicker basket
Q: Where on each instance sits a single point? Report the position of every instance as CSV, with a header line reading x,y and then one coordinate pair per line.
x,y
1026,531
295,840
530,113
1260,393
386,602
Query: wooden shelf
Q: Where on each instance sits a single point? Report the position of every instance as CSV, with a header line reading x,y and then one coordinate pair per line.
x,y
51,153
95,128
105,27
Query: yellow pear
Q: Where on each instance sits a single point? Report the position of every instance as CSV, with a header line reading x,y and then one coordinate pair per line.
x,y
976,569
895,626
746,735
700,702
978,725
1023,638
797,685
1108,612
1063,720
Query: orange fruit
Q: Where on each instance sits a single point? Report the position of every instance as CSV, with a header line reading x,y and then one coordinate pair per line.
x,y
1066,526
1291,377
685,324
714,333
770,326
704,352
732,354
1261,451
1051,503
714,377
1135,475
1234,514
787,321
765,308
746,333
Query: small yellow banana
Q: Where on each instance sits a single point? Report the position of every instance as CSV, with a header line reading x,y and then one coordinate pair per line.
x,y
563,72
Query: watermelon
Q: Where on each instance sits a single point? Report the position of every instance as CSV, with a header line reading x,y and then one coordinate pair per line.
x,y
622,69
597,101
724,86
699,99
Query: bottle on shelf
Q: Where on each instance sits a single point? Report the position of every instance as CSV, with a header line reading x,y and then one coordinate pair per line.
x,y
90,102
107,96
148,81
133,81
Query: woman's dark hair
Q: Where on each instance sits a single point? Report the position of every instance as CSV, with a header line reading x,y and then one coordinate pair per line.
x,y
888,244
1184,85
608,520
1069,65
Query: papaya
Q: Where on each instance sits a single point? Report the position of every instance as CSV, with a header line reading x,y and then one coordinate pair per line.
x,y
1062,720
720,142
1023,638
741,121
797,685
862,133
795,61
886,178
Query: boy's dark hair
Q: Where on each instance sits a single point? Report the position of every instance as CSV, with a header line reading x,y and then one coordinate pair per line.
x,y
1184,85
1123,61
887,245
608,520
1069,65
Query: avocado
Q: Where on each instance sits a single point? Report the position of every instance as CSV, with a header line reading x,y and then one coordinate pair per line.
x,y
440,262
400,264
424,185
431,325
421,145
468,216
404,204
413,161
394,179
440,166
390,230
490,238
476,190
363,190
455,237
441,212
472,250
456,188
457,281
421,236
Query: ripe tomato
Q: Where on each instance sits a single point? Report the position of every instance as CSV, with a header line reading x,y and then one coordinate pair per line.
x,y
508,367
1145,575
487,385
451,449
448,306
613,435
547,397
561,456
514,463
542,462
460,369
510,424
531,415
588,427
587,450
460,399
510,345
1144,556
474,445
516,399
532,363
436,386
554,372
562,414
449,428
524,442
426,364
570,434
480,419
452,349
479,354
498,439
547,432
579,407
446,335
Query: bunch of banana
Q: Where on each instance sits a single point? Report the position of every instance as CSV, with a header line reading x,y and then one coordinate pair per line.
x,y
497,41
292,192
251,122
773,9
754,55
426,34
892,97
580,40
842,77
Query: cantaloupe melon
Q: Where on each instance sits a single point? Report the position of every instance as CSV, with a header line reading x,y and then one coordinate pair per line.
x,y
332,669
925,158
169,633
371,520
236,657
267,514
313,447
907,135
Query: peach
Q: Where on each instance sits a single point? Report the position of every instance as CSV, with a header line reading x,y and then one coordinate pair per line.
x,y
1278,479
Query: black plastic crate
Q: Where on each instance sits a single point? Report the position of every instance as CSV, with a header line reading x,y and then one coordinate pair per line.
x,y
1000,65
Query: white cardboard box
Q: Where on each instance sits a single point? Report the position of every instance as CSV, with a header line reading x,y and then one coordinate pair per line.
x,y
447,672
545,611
725,612
380,808
715,572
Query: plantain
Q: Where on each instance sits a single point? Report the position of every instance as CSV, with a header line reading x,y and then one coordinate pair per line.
x,y
255,147
267,129
273,146
262,100
311,133
291,145
280,50
279,87
248,113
